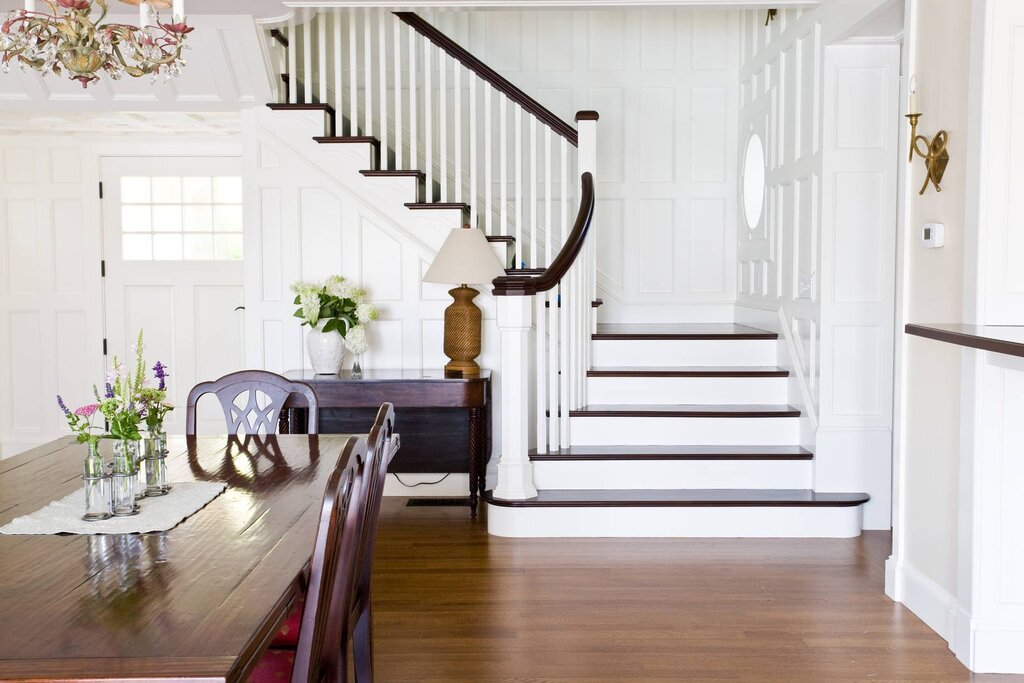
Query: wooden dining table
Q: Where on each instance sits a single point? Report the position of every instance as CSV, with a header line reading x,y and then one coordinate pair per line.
x,y
199,602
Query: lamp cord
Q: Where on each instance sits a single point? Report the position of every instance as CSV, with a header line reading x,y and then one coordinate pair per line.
x,y
422,483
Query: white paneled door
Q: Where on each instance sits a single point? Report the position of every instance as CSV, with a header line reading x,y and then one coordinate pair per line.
x,y
173,261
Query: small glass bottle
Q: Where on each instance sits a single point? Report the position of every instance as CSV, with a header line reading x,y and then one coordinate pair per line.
x,y
97,504
155,459
122,479
357,367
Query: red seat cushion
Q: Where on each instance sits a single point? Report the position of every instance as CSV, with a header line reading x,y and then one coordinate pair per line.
x,y
275,666
287,637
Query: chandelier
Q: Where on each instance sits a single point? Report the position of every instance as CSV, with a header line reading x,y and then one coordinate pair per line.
x,y
67,40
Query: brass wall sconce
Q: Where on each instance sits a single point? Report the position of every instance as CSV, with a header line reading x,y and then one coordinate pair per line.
x,y
934,153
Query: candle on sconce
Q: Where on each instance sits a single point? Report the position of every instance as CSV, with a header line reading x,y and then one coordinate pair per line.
x,y
30,5
143,14
178,10
913,107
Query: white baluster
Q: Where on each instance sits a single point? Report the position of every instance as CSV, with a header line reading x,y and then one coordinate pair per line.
x,y
353,76
293,70
541,379
339,68
398,95
553,341
503,161
382,53
519,187
549,230
564,289
307,62
457,130
321,53
488,207
442,123
474,162
414,151
428,127
534,260
367,74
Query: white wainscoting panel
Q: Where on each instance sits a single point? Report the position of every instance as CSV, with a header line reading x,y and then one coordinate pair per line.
x,y
664,81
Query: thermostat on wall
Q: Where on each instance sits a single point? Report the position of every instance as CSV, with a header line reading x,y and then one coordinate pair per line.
x,y
933,235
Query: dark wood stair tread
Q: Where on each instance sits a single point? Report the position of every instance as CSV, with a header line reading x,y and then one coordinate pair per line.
x,y
684,498
439,205
687,452
307,106
686,410
395,174
691,371
697,331
347,139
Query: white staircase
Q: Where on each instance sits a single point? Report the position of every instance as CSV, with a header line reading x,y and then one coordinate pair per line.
x,y
612,430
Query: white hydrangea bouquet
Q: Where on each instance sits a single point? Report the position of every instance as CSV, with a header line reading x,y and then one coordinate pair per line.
x,y
336,313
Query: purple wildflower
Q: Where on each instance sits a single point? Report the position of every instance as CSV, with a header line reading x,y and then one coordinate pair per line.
x,y
63,406
160,372
109,391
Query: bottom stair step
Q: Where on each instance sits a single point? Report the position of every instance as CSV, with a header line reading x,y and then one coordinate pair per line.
x,y
782,513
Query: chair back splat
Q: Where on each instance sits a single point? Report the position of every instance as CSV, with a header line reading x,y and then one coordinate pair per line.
x,y
252,401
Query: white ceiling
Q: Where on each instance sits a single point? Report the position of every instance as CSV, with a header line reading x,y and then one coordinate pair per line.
x,y
120,123
258,8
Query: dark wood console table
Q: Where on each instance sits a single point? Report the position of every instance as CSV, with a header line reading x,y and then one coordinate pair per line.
x,y
445,422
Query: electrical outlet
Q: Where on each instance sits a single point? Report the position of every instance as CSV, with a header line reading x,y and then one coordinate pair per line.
x,y
807,286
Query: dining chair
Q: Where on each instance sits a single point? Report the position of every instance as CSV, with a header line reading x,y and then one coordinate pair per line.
x,y
322,652
383,444
252,401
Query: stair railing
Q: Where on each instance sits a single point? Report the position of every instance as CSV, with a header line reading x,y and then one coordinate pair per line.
x,y
480,140
484,143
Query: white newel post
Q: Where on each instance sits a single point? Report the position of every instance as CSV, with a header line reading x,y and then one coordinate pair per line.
x,y
515,472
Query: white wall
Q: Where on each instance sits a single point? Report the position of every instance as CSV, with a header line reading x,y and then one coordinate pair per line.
x,y
51,293
664,81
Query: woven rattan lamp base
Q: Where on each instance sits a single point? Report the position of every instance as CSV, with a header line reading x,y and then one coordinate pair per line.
x,y
462,325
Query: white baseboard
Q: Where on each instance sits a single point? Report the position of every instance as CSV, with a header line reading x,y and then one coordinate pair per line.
x,y
932,603
455,485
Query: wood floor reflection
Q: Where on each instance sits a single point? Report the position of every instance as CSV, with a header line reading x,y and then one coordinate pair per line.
x,y
453,604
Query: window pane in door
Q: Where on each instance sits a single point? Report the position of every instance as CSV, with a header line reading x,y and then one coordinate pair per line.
x,y
227,218
166,247
135,190
197,190
198,219
136,218
166,190
227,190
198,247
137,247
228,247
167,218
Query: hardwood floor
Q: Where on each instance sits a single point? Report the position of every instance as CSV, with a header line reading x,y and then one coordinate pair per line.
x,y
453,604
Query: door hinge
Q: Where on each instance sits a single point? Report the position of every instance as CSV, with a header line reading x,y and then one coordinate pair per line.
x,y
101,189
103,268
104,346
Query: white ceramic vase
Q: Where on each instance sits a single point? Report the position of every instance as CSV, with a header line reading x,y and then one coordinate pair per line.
x,y
326,350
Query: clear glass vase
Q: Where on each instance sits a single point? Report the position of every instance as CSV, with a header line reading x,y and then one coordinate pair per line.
x,y
140,471
94,478
357,367
123,477
155,460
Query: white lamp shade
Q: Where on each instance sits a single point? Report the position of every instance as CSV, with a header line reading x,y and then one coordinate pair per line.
x,y
466,258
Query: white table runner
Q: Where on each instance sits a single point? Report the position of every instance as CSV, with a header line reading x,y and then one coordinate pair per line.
x,y
161,513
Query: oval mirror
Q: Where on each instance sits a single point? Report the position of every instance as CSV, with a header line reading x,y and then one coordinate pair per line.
x,y
753,181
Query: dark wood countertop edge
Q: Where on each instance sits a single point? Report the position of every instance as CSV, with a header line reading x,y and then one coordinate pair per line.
x,y
968,340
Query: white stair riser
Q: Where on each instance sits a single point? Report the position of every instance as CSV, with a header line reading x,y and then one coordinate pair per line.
x,y
672,474
683,352
697,431
672,390
675,522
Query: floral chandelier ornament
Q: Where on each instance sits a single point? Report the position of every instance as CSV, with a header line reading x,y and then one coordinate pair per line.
x,y
67,40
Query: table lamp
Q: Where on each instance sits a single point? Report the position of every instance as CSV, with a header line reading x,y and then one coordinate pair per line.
x,y
466,256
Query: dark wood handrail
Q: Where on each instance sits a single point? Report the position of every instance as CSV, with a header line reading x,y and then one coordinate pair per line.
x,y
485,72
511,285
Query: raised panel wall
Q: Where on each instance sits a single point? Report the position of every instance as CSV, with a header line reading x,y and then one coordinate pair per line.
x,y
665,83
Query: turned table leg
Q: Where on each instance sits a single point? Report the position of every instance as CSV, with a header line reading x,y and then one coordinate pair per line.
x,y
477,443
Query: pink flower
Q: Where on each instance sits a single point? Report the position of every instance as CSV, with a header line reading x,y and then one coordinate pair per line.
x,y
74,4
179,28
87,411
